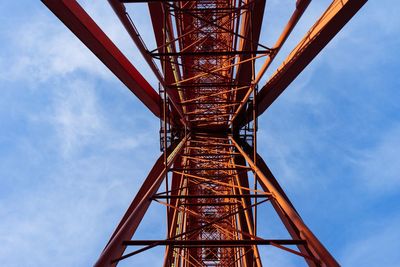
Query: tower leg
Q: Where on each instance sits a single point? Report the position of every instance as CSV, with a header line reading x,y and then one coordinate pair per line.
x,y
315,253
137,209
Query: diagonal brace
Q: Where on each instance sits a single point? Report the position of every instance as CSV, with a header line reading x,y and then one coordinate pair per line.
x,y
86,29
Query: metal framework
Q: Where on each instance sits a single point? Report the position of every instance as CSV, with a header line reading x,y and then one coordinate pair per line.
x,y
208,102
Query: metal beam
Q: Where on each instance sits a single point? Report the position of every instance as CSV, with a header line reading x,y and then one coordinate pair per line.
x,y
164,33
125,19
246,218
211,53
84,27
323,31
120,11
214,196
319,253
176,184
137,209
211,243
301,6
251,28
208,71
291,228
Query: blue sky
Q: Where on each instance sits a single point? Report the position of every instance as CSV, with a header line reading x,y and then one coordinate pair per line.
x,y
75,144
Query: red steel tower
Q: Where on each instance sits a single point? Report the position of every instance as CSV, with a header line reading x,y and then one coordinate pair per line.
x,y
208,102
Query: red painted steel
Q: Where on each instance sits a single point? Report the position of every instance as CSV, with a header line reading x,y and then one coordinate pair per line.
x,y
83,26
137,209
204,59
323,31
316,253
301,6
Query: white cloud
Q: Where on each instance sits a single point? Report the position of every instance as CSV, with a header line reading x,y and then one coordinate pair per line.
x,y
65,214
66,218
44,48
80,121
89,168
59,222
77,117
104,16
43,52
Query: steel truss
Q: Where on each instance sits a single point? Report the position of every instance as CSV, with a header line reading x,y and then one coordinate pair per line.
x,y
208,103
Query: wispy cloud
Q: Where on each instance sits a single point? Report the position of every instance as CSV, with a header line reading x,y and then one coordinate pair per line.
x,y
43,48
77,118
60,221
79,154
92,171
42,51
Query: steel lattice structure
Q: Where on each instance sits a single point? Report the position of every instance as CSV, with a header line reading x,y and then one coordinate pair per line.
x,y
208,103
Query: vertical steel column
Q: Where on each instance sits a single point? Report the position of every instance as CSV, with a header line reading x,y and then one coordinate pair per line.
x,y
248,222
